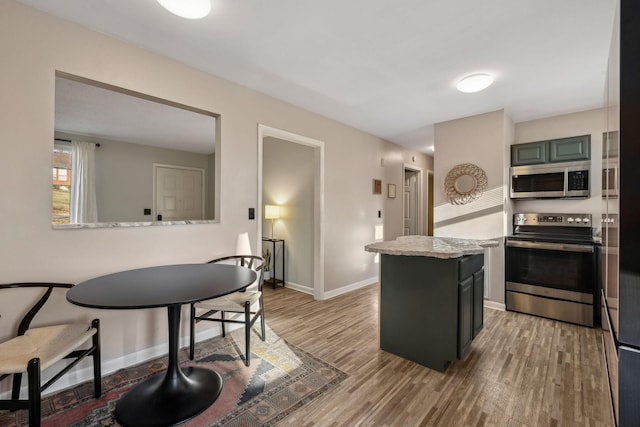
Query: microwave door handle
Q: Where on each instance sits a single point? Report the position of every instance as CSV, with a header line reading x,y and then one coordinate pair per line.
x,y
566,247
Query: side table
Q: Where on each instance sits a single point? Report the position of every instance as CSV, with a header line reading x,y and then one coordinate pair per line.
x,y
274,280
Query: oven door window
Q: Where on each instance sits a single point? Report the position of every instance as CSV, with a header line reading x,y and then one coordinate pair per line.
x,y
572,271
538,182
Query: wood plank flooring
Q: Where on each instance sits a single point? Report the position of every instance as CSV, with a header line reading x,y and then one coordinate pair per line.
x,y
521,371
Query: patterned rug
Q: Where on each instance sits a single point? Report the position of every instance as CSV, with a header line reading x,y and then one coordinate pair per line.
x,y
281,379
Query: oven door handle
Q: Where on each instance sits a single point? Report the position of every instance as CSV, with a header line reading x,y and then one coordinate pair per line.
x,y
566,247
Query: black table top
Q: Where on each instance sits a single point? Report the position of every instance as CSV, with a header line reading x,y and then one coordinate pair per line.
x,y
160,286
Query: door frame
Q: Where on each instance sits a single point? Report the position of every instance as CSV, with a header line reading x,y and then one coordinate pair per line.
x,y
155,186
318,208
420,223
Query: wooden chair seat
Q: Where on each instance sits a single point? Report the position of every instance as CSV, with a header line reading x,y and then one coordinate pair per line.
x,y
233,303
32,350
50,344
247,302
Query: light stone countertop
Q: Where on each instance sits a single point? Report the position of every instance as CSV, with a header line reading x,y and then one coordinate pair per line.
x,y
436,247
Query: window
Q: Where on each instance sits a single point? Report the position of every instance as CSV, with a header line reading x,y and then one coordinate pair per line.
x,y
61,190
61,176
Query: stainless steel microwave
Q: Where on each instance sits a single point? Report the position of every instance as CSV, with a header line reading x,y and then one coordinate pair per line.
x,y
550,180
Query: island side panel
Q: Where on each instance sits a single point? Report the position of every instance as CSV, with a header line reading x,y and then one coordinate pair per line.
x,y
419,309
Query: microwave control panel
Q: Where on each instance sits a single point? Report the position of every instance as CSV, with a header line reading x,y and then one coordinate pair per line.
x,y
578,180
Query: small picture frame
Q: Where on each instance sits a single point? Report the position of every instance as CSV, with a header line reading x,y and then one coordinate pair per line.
x,y
377,186
391,191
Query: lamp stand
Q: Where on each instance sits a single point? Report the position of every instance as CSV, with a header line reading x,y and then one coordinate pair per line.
x,y
271,228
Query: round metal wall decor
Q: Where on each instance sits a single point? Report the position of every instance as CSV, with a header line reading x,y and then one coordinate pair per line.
x,y
465,183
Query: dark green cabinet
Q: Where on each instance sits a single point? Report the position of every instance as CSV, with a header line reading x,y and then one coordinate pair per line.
x,y
470,301
430,308
465,317
530,153
570,149
553,151
478,302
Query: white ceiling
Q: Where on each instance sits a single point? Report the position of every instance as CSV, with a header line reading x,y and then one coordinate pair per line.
x,y
386,67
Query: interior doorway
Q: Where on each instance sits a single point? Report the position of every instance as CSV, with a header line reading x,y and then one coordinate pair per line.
x,y
430,204
303,225
179,193
410,201
413,219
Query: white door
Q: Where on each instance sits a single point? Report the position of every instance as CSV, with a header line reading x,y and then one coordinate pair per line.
x,y
179,193
410,203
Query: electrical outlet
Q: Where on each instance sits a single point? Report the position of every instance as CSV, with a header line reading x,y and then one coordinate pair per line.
x,y
379,214
147,211
252,213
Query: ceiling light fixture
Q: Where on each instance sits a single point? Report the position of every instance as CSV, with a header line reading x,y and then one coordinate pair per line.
x,y
190,9
474,83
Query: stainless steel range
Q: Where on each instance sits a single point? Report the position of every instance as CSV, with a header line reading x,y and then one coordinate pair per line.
x,y
551,267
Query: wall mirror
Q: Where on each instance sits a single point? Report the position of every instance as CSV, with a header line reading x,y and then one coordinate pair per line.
x,y
465,183
123,158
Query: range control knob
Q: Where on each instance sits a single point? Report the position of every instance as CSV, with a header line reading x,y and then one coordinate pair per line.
x,y
570,220
578,220
585,220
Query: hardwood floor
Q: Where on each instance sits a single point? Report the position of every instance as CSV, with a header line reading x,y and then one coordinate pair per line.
x,y
522,370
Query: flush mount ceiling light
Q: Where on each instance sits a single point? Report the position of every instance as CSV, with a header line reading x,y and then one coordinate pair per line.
x,y
190,9
474,83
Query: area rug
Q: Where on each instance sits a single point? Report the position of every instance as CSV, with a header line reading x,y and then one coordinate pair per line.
x,y
281,379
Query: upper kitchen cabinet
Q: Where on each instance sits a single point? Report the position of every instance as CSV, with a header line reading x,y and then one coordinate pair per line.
x,y
552,151
570,149
530,153
610,144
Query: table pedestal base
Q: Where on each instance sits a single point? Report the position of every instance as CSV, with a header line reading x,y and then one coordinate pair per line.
x,y
169,399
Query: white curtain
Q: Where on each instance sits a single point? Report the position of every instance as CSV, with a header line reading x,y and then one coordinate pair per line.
x,y
83,184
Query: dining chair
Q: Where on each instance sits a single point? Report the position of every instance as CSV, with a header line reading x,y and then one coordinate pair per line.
x,y
247,302
33,350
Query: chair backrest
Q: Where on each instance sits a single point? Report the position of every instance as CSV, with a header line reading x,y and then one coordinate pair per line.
x,y
254,262
48,287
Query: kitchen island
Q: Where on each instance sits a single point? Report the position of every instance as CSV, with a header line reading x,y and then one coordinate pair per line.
x,y
431,297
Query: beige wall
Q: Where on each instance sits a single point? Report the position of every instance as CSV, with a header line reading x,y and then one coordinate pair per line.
x,y
35,45
477,139
480,140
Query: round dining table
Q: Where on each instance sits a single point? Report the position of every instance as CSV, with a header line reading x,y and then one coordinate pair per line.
x,y
178,394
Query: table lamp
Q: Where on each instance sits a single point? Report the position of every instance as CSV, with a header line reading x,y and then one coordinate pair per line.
x,y
271,212
243,247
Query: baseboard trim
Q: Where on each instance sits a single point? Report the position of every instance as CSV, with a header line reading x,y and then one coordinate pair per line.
x,y
299,288
495,305
352,287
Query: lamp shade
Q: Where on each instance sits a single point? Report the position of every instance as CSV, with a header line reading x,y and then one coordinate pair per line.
x,y
243,247
271,211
